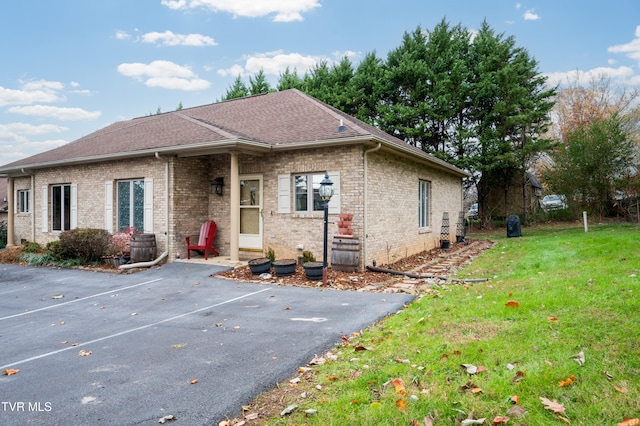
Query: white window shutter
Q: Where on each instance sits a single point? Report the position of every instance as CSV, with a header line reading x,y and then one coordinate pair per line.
x,y
45,208
148,206
108,206
334,202
16,201
74,206
284,193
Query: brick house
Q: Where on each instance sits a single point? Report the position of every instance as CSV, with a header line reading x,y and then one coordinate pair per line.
x,y
250,164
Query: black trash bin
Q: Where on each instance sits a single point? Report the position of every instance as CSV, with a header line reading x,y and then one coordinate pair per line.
x,y
513,226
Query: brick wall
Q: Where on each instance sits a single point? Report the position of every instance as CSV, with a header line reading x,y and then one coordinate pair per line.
x,y
393,230
90,179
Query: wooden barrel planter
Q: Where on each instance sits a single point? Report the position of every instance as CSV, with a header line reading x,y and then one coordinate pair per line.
x,y
284,267
313,270
143,247
260,265
345,254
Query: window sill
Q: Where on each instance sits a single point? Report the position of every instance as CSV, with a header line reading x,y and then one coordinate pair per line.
x,y
422,231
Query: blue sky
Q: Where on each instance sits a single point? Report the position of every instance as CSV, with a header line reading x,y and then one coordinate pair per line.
x,y
70,67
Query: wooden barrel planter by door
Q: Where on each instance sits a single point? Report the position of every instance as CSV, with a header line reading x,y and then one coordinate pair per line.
x,y
345,254
143,247
284,267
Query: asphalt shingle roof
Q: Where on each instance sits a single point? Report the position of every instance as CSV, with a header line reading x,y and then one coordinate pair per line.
x,y
281,118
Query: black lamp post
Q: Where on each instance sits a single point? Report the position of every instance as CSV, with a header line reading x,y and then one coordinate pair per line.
x,y
326,192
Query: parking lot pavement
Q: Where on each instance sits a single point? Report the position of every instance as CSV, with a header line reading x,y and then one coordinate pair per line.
x,y
122,349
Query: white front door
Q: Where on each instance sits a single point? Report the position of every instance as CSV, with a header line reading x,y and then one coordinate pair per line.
x,y
250,212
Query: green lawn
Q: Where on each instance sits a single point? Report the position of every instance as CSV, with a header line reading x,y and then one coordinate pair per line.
x,y
570,292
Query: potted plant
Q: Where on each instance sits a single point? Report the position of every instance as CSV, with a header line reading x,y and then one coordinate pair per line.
x,y
260,265
313,270
284,267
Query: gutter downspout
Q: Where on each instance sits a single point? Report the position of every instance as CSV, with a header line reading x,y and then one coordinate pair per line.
x,y
166,201
11,214
366,210
32,204
144,264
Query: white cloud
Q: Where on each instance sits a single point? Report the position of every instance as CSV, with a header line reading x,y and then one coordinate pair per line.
x,y
168,38
530,15
31,92
518,5
284,10
631,49
164,74
122,35
13,132
10,152
274,63
64,114
621,74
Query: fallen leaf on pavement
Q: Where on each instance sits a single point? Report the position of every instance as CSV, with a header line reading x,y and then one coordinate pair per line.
x,y
170,417
194,381
84,353
10,371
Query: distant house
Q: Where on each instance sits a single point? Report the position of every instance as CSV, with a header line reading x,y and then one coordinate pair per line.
x,y
253,165
524,191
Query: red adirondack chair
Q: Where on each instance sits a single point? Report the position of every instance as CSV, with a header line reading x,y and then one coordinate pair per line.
x,y
205,240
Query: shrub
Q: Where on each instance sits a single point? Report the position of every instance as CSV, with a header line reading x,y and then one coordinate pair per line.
x,y
31,247
120,242
87,244
54,248
307,256
271,254
37,259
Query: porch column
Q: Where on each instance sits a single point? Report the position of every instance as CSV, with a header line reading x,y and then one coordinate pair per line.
x,y
234,210
11,208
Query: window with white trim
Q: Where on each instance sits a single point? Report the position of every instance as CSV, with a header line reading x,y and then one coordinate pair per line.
x,y
61,207
307,196
24,203
424,194
130,204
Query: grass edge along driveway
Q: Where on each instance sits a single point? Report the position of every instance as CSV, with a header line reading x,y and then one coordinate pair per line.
x,y
552,338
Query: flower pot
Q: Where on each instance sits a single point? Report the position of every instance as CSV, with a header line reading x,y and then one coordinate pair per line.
x,y
112,261
348,217
445,244
284,267
313,270
345,231
260,265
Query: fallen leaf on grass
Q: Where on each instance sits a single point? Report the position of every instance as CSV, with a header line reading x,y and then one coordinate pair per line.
x,y
467,422
515,399
629,422
401,404
252,416
470,387
554,405
570,379
519,376
471,369
620,389
553,319
500,420
428,421
579,357
10,371
512,304
288,410
516,411
399,385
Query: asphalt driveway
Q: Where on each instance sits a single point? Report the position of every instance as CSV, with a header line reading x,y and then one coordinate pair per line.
x,y
105,348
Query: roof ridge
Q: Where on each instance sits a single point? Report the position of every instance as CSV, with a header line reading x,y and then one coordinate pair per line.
x,y
334,112
211,127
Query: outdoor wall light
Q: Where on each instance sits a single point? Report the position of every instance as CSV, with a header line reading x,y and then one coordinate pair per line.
x,y
217,184
326,192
